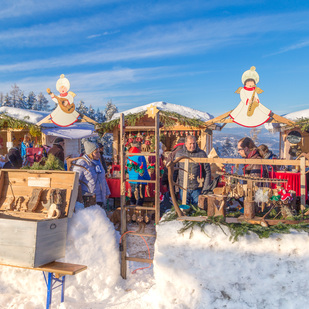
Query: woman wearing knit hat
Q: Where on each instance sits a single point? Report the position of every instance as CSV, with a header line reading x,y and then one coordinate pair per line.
x,y
91,173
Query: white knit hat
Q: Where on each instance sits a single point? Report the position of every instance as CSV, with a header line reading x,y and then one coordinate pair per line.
x,y
63,81
250,74
90,147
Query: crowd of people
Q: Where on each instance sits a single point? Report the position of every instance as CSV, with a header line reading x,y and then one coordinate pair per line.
x,y
92,168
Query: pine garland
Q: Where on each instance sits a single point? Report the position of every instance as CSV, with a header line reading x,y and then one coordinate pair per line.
x,y
51,163
12,123
303,123
236,229
167,118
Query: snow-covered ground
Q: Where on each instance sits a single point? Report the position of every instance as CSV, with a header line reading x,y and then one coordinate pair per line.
x,y
201,271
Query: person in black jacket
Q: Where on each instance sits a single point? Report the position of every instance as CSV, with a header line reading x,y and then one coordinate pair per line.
x,y
14,159
199,174
57,150
102,157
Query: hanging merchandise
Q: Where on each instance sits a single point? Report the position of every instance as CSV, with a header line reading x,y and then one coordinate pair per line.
x,y
146,218
139,138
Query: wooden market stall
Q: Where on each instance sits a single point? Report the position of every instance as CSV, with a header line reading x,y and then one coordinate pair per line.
x,y
15,123
175,121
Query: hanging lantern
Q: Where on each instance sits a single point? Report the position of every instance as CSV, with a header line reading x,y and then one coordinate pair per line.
x,y
193,133
169,133
165,132
187,133
181,133
177,133
174,132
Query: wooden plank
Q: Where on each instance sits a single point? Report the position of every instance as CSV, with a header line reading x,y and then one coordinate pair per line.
x,y
247,161
123,267
185,182
140,207
136,180
56,268
204,218
62,268
142,234
139,128
134,259
157,167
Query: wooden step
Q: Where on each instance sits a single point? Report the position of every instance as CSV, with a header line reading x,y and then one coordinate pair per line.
x,y
139,207
135,180
133,259
142,234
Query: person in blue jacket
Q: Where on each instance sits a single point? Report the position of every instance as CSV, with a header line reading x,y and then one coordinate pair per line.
x,y
137,170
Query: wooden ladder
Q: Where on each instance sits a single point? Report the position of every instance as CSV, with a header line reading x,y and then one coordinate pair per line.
x,y
123,159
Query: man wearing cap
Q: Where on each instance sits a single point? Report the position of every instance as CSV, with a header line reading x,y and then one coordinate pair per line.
x,y
57,149
199,174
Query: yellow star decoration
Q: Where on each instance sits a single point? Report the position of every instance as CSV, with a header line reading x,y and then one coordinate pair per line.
x,y
151,111
191,176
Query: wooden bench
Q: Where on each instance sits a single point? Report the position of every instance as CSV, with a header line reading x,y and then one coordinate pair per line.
x,y
56,273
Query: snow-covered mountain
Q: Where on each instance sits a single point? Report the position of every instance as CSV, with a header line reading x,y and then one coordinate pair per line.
x,y
225,141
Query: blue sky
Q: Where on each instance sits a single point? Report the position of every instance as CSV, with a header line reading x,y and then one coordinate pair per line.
x,y
190,53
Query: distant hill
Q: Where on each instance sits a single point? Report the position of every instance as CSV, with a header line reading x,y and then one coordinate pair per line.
x,y
225,141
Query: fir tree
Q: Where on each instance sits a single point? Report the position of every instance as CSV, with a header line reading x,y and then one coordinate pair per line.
x,y
22,100
110,110
6,100
42,102
254,135
15,94
91,112
82,108
31,101
228,149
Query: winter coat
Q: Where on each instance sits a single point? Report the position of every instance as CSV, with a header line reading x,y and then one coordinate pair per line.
x,y
138,161
92,177
254,170
271,156
15,159
57,151
201,170
170,158
102,159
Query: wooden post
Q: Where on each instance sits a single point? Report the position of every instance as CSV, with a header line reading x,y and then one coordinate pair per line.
x,y
249,204
116,143
303,196
185,182
9,142
123,200
157,185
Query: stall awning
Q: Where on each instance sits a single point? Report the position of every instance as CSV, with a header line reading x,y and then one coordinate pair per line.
x,y
73,133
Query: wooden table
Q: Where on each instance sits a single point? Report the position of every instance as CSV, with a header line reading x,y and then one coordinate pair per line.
x,y
56,273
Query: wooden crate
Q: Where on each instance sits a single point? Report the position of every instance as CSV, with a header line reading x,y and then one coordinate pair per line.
x,y
28,237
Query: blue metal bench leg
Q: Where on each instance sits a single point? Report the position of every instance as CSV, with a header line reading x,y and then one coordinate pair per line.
x,y
62,289
49,290
51,281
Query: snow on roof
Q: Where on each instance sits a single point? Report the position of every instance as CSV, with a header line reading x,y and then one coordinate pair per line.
x,y
294,116
168,107
75,131
23,114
